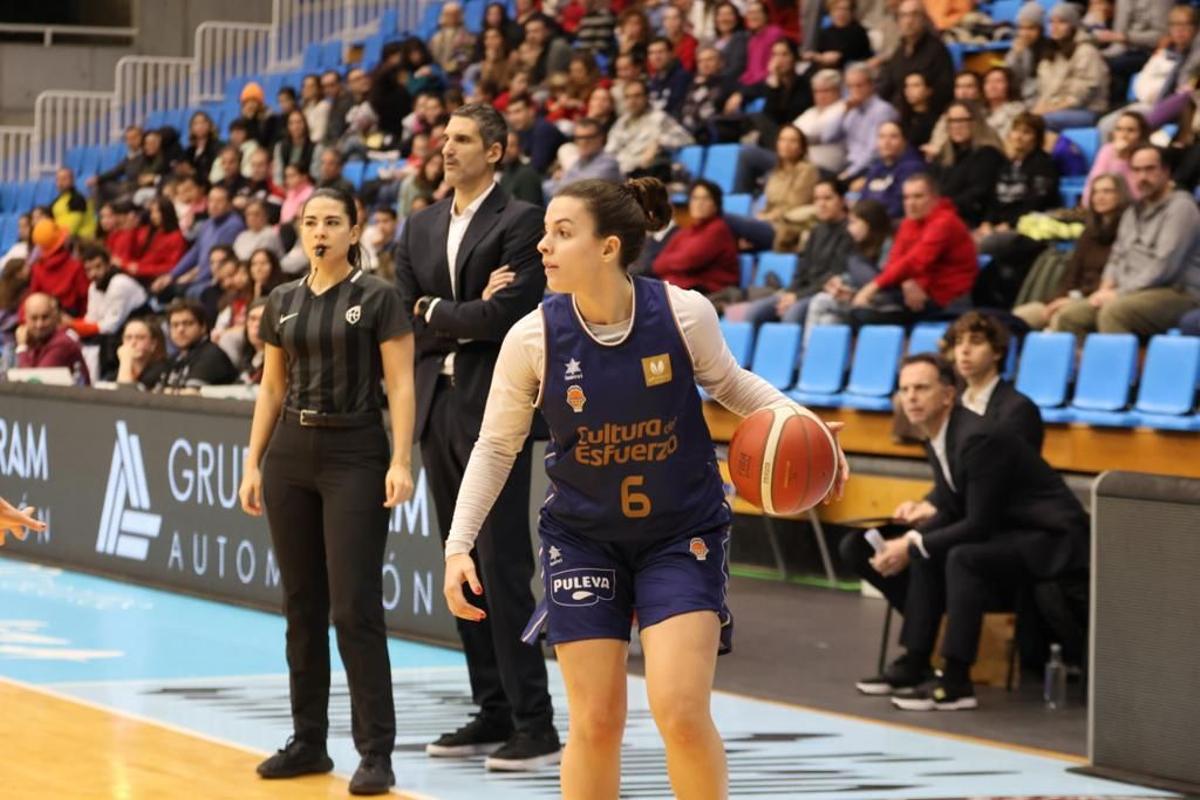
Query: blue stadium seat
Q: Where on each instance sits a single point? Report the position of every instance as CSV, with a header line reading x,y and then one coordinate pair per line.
x,y
873,372
312,57
24,198
372,51
8,198
1047,361
756,105
44,192
353,172
331,55
926,337
429,22
823,367
1071,190
389,21
371,173
1107,370
1167,391
720,165
746,265
737,204
781,265
74,159
473,12
1005,11
776,352
691,159
739,338
1088,140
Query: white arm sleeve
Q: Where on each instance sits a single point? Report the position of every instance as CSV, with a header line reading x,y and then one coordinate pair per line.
x,y
506,420
739,390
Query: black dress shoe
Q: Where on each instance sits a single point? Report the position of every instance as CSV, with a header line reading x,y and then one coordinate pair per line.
x,y
297,757
478,737
373,776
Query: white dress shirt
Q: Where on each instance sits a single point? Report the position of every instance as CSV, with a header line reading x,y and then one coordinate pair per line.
x,y
978,402
459,222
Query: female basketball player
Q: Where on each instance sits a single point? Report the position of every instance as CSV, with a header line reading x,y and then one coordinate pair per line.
x,y
327,482
635,521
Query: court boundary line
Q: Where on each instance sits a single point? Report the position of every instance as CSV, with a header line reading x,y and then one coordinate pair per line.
x,y
204,737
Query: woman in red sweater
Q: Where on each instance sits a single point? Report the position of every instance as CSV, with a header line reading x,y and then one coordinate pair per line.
x,y
704,255
158,246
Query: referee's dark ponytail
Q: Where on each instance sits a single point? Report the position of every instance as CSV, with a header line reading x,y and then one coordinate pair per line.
x,y
626,211
354,254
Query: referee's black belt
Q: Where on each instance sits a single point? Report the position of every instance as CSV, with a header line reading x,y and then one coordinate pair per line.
x,y
307,418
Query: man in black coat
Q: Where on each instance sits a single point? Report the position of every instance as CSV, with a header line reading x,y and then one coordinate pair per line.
x,y
920,50
446,255
1005,519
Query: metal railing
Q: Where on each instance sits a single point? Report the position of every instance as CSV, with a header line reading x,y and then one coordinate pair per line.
x,y
62,120
299,23
146,84
224,50
15,149
48,32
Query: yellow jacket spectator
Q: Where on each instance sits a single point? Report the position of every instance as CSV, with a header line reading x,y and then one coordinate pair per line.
x,y
71,208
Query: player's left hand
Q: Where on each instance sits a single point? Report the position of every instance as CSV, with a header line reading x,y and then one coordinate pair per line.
x,y
843,473
398,485
15,521
460,569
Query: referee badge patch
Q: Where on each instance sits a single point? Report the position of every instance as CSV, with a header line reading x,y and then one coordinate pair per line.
x,y
657,369
353,314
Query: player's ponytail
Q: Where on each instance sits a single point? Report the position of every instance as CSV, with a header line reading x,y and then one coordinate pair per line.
x,y
651,195
626,211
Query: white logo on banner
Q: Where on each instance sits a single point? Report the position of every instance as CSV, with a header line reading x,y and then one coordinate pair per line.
x,y
126,527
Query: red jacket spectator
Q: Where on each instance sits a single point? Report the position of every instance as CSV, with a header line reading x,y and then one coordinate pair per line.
x,y
702,257
120,244
154,253
56,272
936,251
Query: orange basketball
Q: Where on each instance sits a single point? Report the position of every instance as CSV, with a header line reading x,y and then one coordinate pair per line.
x,y
783,459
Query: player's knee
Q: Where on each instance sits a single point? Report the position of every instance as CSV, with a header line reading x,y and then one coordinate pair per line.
x,y
597,725
680,717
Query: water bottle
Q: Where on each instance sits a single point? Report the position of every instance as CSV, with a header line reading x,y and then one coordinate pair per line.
x,y
1054,690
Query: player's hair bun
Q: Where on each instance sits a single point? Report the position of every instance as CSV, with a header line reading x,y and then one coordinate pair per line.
x,y
651,195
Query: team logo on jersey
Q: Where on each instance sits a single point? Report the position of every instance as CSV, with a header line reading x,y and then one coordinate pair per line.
x,y
582,587
555,556
698,548
657,369
353,314
576,398
574,370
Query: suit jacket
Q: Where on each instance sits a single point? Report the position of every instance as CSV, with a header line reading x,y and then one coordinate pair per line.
x,y
1011,411
1004,489
503,231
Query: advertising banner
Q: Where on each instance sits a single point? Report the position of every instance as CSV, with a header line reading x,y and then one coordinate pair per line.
x,y
145,488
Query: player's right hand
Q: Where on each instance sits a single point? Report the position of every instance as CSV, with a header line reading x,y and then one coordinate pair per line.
x,y
460,569
250,492
15,520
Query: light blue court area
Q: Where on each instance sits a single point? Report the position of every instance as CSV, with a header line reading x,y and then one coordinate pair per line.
x,y
218,671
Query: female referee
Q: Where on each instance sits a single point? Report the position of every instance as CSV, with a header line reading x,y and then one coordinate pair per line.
x,y
636,519
327,482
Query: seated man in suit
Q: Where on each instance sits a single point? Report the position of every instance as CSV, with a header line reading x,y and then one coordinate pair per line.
x,y
977,344
1004,519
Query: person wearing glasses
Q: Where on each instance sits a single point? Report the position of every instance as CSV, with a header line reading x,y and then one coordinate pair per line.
x,y
592,161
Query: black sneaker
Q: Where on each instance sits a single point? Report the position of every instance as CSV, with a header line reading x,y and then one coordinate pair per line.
x,y
938,695
902,674
478,737
373,776
297,757
526,752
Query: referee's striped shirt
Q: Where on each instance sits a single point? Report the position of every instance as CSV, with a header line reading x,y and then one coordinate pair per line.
x,y
332,341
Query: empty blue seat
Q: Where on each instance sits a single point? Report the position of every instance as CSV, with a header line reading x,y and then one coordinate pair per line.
x,y
746,267
44,192
691,158
1047,360
25,195
312,57
775,353
429,21
781,265
353,172
388,22
1167,392
1106,372
720,165
873,372
737,204
926,337
473,15
1088,140
331,55
739,338
823,367
8,198
74,159
1005,11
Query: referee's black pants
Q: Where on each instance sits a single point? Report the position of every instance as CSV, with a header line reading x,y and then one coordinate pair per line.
x,y
323,489
508,677
971,580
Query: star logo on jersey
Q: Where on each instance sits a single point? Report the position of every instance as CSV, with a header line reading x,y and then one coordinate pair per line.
x,y
555,556
698,548
574,370
576,398
353,314
657,369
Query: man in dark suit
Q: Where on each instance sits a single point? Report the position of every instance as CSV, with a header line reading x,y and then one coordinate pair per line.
x,y
1005,519
977,343
446,256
